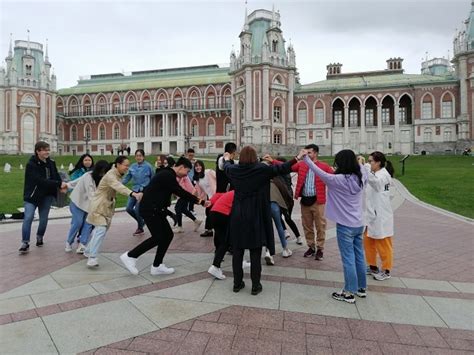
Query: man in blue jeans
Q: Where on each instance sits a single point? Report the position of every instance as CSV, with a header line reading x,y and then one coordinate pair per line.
x,y
42,182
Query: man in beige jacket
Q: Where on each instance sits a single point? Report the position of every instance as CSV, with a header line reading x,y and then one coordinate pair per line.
x,y
102,207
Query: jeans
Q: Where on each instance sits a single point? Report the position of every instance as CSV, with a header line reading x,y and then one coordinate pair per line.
x,y
349,240
78,223
133,208
98,236
276,216
182,207
43,210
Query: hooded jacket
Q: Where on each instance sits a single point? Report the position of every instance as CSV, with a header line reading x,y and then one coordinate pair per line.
x,y
41,180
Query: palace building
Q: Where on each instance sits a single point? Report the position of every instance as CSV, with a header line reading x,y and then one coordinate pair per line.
x,y
256,100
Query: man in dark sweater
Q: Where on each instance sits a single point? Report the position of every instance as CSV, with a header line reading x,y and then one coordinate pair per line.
x,y
153,209
222,181
42,183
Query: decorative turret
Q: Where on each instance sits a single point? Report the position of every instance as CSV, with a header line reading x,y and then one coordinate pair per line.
x,y
464,38
333,69
233,59
291,56
47,64
9,58
394,63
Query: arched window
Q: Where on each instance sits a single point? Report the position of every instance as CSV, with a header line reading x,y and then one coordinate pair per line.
x,y
87,111
194,128
447,106
302,114
405,109
131,103
211,128
319,117
387,111
116,131
146,102
73,107
116,104
101,132
277,138
427,107
59,106
227,99
227,127
87,131
194,101
354,113
162,102
338,113
74,133
277,111
370,112
102,106
274,45
178,101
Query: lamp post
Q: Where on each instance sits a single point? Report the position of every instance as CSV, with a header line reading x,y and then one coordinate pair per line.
x,y
87,140
187,138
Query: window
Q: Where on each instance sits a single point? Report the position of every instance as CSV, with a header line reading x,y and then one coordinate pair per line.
x,y
73,133
146,104
116,131
178,102
338,118
162,104
447,109
211,101
277,138
302,138
116,107
385,115
194,103
211,129
405,136
319,115
102,108
194,130
403,114
87,109
131,104
427,110
28,70
87,132
227,101
302,115
102,132
447,135
274,45
227,128
277,114
427,135
353,116
369,117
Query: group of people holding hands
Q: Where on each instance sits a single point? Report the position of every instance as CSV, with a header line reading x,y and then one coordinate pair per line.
x,y
242,200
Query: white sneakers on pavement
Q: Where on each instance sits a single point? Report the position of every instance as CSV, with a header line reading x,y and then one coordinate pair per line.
x,y
245,264
178,230
216,272
269,259
299,241
80,248
129,263
68,248
161,270
286,253
197,224
92,262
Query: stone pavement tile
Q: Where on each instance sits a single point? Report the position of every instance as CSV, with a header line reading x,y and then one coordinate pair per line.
x,y
113,351
247,332
63,295
314,299
316,341
16,304
396,308
433,285
186,325
305,317
194,291
262,318
210,317
283,271
221,292
22,337
24,315
354,346
165,312
88,276
456,333
407,334
334,327
111,296
280,336
267,347
324,275
230,318
456,313
153,346
5,319
119,283
461,344
106,266
100,325
195,257
219,344
369,330
466,287
43,284
69,306
168,334
194,343
320,351
431,337
392,282
402,349
47,310
292,326
123,344
180,271
214,328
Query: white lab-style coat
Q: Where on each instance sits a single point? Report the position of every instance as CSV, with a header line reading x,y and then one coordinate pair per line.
x,y
378,210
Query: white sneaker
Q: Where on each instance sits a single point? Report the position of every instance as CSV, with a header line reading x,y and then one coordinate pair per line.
x,y
130,263
216,272
92,262
269,259
245,264
161,270
197,224
287,234
299,241
68,248
286,253
178,230
382,276
80,248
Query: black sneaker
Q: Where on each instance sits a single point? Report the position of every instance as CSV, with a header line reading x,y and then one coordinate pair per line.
x,y
362,293
319,255
239,287
344,296
309,252
39,241
25,248
256,289
207,233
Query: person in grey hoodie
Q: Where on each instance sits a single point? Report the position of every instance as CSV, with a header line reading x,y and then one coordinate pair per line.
x,y
344,206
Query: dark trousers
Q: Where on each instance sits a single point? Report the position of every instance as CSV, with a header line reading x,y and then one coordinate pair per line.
x,y
290,222
161,235
182,207
208,223
220,223
255,265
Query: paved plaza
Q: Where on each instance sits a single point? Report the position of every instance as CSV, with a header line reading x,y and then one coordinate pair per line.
x,y
52,303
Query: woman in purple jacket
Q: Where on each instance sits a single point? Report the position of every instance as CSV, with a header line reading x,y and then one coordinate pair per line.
x,y
344,206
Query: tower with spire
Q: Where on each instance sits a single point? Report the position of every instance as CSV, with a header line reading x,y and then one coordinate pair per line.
x,y
263,81
28,93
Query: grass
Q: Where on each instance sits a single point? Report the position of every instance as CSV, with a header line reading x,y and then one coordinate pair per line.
x,y
443,181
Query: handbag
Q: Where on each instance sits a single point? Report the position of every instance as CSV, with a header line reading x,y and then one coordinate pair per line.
x,y
308,200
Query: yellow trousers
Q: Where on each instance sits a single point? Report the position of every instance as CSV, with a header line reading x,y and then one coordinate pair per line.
x,y
383,247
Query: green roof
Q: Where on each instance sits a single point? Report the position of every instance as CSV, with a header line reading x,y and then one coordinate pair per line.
x,y
362,82
179,77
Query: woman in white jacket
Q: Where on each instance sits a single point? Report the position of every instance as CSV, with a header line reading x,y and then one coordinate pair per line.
x,y
81,196
378,216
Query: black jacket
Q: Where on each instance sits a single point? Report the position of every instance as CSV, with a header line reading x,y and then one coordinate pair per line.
x,y
157,195
41,180
222,181
250,224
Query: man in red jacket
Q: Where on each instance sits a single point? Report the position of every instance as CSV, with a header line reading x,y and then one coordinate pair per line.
x,y
312,193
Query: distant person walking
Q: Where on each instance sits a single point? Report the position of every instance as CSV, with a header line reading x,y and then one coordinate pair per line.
x,y
379,216
42,183
344,206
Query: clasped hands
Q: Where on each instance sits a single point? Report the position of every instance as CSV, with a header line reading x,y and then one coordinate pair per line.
x,y
301,154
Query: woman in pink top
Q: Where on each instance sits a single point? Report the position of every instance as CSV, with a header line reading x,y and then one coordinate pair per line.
x,y
182,206
205,183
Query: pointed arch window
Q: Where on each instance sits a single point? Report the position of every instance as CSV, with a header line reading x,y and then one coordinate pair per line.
x,y
447,107
211,128
274,45
87,132
102,132
302,114
74,133
116,131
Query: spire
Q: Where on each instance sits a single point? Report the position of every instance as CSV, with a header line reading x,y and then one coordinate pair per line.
x,y
246,22
10,49
273,16
28,50
46,57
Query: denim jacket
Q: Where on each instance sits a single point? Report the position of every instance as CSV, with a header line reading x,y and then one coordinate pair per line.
x,y
140,174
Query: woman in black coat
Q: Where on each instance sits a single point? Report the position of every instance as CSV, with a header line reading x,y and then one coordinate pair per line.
x,y
250,225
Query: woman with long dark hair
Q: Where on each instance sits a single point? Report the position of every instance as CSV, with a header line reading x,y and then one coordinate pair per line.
x,y
378,216
83,165
205,183
344,206
82,193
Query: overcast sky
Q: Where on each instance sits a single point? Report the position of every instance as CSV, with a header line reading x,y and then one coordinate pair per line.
x,y
92,37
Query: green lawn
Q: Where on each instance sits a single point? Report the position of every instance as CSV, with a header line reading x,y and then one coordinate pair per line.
x,y
444,181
